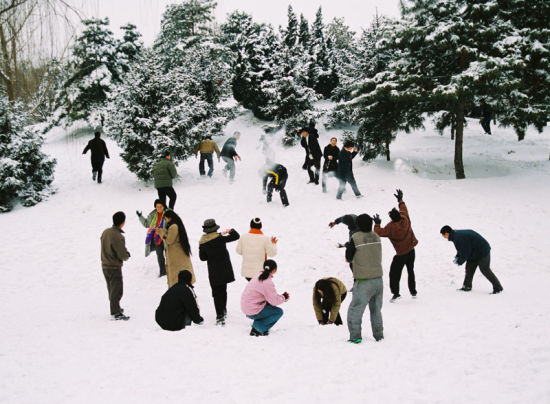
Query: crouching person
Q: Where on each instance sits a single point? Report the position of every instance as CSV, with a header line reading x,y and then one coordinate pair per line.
x,y
178,306
364,252
259,300
328,295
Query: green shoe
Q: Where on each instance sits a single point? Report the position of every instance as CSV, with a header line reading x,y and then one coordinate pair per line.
x,y
355,341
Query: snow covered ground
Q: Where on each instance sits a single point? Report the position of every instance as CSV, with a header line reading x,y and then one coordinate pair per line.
x,y
58,344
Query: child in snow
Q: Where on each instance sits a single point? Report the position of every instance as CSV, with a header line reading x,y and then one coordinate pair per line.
x,y
213,250
328,295
153,242
255,247
259,300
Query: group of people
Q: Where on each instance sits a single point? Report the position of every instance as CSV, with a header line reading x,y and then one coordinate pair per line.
x,y
260,300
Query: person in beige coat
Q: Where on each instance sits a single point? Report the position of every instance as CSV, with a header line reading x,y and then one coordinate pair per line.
x,y
178,250
328,295
255,247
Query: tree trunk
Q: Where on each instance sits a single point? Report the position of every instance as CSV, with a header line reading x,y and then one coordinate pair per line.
x,y
459,165
388,148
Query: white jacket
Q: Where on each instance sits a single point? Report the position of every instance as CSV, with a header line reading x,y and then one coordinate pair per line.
x,y
254,248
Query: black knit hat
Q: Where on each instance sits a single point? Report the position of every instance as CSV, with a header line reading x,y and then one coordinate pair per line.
x,y
395,216
256,223
364,222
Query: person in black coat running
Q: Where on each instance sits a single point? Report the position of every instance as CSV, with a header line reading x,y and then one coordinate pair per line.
x,y
313,153
178,306
330,153
486,115
474,250
278,175
213,250
99,152
345,169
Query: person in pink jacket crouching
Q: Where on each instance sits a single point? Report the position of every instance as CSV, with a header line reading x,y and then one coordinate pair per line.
x,y
259,300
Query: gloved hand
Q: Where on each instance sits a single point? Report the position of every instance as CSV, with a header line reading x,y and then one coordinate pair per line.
x,y
398,195
128,253
138,213
286,295
377,219
331,224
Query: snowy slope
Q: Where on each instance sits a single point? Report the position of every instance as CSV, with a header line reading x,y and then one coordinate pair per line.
x,y
58,344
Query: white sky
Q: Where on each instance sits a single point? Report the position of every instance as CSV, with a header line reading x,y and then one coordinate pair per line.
x,y
146,14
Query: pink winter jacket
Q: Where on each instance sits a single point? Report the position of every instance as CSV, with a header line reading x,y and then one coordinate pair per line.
x,y
257,293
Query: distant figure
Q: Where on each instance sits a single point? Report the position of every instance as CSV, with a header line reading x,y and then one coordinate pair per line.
x,y
345,169
310,143
99,152
330,166
259,300
178,306
207,147
328,295
364,252
486,115
153,242
178,250
213,250
164,173
400,233
475,251
229,155
255,247
113,254
277,176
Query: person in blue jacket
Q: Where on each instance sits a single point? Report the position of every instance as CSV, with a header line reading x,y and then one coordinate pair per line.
x,y
475,251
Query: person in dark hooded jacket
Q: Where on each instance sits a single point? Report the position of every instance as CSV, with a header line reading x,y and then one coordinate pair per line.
x,y
277,175
310,143
99,152
178,306
345,169
401,235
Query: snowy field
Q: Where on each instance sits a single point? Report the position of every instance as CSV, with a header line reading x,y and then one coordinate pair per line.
x,y
59,345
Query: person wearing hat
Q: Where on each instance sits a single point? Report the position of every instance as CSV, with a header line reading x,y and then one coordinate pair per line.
x,y
399,232
277,175
213,250
153,242
113,254
178,306
229,155
99,152
364,252
164,172
255,247
310,143
207,147
345,169
475,251
259,300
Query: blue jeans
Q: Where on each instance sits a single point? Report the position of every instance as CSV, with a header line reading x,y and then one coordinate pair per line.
x,y
266,318
229,166
351,180
209,160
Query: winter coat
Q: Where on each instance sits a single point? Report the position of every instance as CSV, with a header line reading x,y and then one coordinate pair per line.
x,y
349,220
345,164
257,293
164,172
311,145
255,248
278,173
175,304
113,248
399,233
99,150
470,246
229,148
150,220
486,111
364,251
176,259
330,165
213,249
339,289
207,146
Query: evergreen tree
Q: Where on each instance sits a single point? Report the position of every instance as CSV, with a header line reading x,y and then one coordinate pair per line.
x,y
303,34
323,75
345,57
290,36
26,173
130,47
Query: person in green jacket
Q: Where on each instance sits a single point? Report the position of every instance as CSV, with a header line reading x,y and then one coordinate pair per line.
x,y
164,172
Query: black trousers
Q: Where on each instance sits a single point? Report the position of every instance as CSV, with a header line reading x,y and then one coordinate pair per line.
x,y
314,175
113,277
280,188
326,312
485,268
97,167
167,192
159,249
396,268
486,124
219,293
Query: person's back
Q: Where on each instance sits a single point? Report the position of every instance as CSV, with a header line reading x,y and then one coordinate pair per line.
x,y
113,250
254,248
470,243
163,173
229,148
367,261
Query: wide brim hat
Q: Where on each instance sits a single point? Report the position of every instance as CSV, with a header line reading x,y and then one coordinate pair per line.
x,y
210,226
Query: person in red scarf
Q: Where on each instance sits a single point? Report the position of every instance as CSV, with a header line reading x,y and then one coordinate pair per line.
x,y
153,242
255,247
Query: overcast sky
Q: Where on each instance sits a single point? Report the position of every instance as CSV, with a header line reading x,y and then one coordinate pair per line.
x,y
146,14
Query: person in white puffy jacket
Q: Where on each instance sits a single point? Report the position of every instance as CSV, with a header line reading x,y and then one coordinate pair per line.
x,y
255,247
